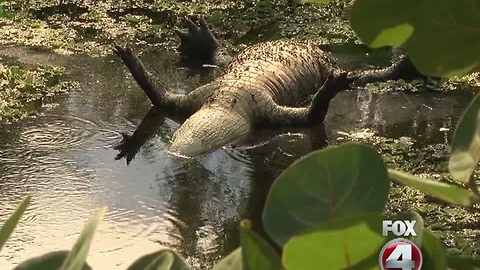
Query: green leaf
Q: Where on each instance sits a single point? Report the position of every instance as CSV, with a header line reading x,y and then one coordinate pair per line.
x,y
433,251
49,261
419,225
232,262
160,260
256,253
452,25
77,256
456,262
397,35
12,221
331,183
369,20
350,243
442,191
466,143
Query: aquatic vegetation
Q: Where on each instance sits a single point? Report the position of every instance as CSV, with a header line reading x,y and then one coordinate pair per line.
x,y
90,27
22,90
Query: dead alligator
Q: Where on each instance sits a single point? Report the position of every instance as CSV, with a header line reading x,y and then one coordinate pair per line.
x,y
262,86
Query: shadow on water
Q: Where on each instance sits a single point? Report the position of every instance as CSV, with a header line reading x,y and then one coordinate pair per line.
x,y
65,159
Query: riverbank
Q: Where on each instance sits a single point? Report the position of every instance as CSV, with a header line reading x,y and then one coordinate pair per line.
x,y
81,27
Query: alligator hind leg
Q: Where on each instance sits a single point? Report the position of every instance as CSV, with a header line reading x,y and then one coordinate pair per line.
x,y
316,112
401,68
200,47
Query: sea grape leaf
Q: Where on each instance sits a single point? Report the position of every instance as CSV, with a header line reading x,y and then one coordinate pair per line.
x,y
465,153
49,261
256,252
441,37
232,261
383,23
433,251
350,243
160,260
331,183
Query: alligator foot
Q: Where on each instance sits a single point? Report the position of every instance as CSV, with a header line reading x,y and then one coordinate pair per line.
x,y
125,148
131,144
154,92
199,47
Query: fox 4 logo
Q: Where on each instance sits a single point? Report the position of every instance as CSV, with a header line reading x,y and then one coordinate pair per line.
x,y
400,253
399,227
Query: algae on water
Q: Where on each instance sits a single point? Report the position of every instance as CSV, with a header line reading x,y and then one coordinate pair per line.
x,y
21,89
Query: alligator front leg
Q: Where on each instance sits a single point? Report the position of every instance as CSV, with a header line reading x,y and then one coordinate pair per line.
x,y
200,47
131,144
155,92
158,94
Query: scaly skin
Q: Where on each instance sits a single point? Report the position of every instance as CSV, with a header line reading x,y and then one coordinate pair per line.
x,y
262,86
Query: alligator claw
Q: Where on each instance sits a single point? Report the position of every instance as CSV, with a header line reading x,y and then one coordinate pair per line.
x,y
126,54
125,148
197,45
183,36
192,27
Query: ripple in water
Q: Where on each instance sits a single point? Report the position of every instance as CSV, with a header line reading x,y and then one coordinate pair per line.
x,y
207,242
58,133
238,154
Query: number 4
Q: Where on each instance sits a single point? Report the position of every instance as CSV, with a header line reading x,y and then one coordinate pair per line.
x,y
404,251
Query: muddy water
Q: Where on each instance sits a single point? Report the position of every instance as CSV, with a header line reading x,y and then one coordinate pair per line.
x,y
64,158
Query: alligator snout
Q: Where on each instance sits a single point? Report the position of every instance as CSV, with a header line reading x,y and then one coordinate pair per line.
x,y
208,130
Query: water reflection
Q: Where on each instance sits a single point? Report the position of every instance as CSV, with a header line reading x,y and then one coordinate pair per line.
x,y
64,158
131,144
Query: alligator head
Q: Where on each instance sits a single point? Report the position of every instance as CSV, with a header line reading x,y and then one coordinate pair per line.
x,y
208,129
